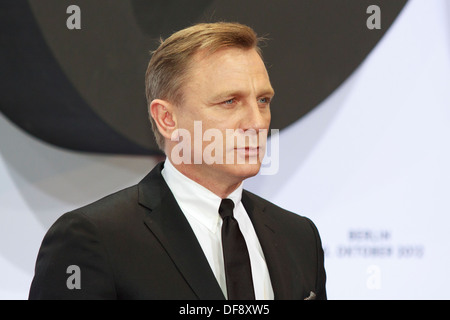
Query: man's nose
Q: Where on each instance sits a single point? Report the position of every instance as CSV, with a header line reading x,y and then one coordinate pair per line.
x,y
256,117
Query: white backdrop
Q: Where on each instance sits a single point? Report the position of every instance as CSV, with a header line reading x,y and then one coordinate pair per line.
x,y
370,166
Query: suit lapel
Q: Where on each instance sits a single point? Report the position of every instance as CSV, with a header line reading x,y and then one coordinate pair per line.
x,y
273,246
168,223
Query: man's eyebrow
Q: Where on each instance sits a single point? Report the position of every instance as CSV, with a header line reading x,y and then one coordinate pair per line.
x,y
267,92
227,94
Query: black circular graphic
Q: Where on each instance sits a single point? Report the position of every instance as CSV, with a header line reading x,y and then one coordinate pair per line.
x,y
83,89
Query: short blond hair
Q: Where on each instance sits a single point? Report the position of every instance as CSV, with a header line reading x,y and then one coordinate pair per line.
x,y
168,67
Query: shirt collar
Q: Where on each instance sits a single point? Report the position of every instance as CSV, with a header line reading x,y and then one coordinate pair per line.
x,y
195,200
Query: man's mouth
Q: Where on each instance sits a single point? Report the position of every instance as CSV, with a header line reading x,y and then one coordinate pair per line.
x,y
248,151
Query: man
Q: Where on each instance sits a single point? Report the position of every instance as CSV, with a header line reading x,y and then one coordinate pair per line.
x,y
188,230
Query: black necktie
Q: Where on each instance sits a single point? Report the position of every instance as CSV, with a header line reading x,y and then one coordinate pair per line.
x,y
235,254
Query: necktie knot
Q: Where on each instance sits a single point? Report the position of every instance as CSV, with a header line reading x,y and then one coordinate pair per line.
x,y
226,208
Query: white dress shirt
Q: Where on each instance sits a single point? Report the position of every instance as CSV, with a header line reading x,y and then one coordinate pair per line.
x,y
201,208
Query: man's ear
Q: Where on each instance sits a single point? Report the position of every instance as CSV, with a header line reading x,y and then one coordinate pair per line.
x,y
162,113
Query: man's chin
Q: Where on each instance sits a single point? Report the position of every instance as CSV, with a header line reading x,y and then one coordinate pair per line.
x,y
244,170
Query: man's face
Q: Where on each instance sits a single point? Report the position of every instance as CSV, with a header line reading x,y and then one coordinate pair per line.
x,y
226,92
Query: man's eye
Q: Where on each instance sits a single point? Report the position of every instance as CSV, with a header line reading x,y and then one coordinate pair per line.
x,y
264,100
230,101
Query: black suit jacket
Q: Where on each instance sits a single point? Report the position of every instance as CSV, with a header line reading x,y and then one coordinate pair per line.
x,y
137,244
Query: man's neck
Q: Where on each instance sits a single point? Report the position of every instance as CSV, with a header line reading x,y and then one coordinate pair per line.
x,y
217,184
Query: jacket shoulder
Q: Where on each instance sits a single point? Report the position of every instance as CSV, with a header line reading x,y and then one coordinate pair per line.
x,y
115,202
278,213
